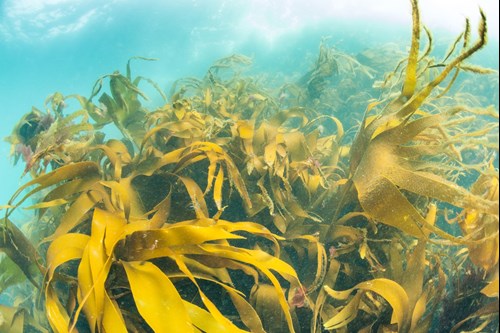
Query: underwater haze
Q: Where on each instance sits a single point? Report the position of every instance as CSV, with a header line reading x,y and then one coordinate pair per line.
x,y
249,166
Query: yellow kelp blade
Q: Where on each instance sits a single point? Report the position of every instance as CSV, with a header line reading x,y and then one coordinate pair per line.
x,y
403,217
214,311
252,228
315,253
209,149
329,279
196,195
187,234
263,262
85,170
433,186
417,99
120,195
91,285
207,97
156,298
483,227
219,180
147,244
266,303
76,211
168,158
411,69
346,315
162,212
55,312
114,159
61,250
413,279
391,291
16,320
406,217
112,319
68,189
491,289
247,313
418,313
48,204
95,265
102,313
202,319
211,173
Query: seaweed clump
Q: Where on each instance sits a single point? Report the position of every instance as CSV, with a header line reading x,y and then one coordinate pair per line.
x,y
228,190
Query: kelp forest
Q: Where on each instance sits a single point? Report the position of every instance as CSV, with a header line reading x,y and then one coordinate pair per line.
x,y
360,196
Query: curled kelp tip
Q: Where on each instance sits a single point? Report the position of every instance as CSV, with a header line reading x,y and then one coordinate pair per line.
x,y
129,71
483,28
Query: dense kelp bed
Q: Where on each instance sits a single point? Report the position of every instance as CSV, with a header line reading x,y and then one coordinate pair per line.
x,y
238,206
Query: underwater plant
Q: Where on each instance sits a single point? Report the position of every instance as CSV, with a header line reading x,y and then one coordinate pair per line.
x,y
232,209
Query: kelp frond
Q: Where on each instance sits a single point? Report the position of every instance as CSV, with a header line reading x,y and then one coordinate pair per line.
x,y
247,208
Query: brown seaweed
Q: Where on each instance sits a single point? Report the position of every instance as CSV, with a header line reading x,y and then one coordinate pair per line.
x,y
246,210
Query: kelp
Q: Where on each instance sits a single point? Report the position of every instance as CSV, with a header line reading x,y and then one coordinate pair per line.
x,y
380,165
247,208
19,249
386,162
410,294
44,139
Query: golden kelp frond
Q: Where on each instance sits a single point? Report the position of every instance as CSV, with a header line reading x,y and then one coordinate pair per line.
x,y
223,93
417,99
282,158
404,156
71,175
182,158
381,170
408,289
378,170
130,245
178,125
186,84
392,292
481,226
411,68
